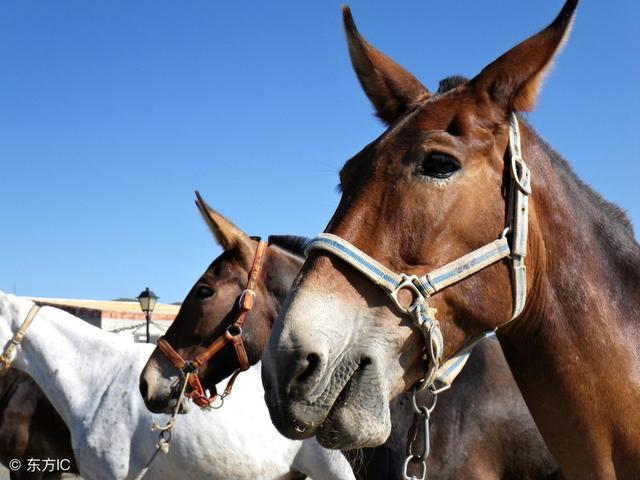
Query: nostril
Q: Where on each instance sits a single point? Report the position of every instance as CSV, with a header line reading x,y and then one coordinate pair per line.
x,y
144,388
364,362
313,365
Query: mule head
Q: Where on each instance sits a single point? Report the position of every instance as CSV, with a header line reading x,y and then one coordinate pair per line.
x,y
212,305
430,189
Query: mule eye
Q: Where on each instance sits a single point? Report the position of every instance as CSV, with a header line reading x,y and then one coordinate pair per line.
x,y
439,165
204,292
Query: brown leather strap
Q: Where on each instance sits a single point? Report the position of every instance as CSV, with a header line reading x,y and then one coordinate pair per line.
x,y
197,393
211,350
171,354
232,380
241,353
248,296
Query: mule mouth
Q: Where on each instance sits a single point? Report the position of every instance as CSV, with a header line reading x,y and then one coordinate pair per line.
x,y
167,404
349,413
161,405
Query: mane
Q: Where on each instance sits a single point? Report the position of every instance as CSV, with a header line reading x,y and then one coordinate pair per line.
x,y
291,243
450,83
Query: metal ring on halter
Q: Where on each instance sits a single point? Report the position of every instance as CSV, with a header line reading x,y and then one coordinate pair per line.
x,y
422,409
414,459
233,330
408,283
216,406
189,367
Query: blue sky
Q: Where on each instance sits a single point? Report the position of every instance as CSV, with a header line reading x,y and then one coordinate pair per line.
x,y
112,113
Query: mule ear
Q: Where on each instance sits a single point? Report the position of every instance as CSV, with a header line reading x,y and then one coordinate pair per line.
x,y
391,89
226,233
514,80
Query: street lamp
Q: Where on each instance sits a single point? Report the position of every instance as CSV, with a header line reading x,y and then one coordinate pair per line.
x,y
147,301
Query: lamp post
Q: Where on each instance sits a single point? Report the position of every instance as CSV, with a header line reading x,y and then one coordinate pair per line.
x,y
147,301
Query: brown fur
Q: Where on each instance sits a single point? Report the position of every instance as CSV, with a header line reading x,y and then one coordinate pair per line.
x,y
30,427
573,351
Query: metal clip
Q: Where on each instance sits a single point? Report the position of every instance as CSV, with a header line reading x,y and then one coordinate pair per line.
x,y
423,411
414,459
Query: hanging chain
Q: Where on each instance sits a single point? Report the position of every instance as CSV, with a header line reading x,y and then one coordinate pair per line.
x,y
424,317
419,457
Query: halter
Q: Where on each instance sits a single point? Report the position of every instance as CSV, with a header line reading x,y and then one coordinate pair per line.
x,y
233,334
439,376
6,359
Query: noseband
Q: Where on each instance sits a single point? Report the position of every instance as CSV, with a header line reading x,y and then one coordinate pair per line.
x,y
440,375
233,334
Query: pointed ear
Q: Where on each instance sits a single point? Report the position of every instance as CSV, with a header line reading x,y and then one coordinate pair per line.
x,y
514,80
226,233
391,89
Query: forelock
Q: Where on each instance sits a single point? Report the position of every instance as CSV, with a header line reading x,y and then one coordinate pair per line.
x,y
450,83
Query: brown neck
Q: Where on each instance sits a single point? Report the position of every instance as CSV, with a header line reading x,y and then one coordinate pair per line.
x,y
574,351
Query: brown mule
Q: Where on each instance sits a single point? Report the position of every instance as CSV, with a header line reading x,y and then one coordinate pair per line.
x,y
435,186
494,438
30,427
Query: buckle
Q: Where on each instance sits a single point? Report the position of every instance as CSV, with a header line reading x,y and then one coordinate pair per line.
x,y
407,283
247,299
5,363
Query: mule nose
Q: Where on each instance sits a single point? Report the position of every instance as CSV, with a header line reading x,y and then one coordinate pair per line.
x,y
156,391
144,388
310,370
153,404
295,372
290,378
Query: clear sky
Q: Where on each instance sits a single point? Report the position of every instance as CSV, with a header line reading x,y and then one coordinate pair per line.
x,y
112,113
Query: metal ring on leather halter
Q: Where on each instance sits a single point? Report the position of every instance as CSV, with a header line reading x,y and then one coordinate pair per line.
x,y
243,297
233,330
189,367
422,409
417,297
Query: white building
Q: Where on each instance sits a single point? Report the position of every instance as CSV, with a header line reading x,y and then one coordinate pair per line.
x,y
123,318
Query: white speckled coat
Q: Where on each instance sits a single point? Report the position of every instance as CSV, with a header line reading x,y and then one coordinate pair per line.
x,y
91,377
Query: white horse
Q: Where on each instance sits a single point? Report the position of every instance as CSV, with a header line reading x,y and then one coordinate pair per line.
x,y
91,378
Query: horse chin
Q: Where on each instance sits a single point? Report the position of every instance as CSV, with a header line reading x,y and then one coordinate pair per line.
x,y
351,426
166,406
352,412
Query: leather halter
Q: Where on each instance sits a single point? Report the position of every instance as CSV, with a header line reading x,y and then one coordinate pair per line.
x,y
233,334
440,376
